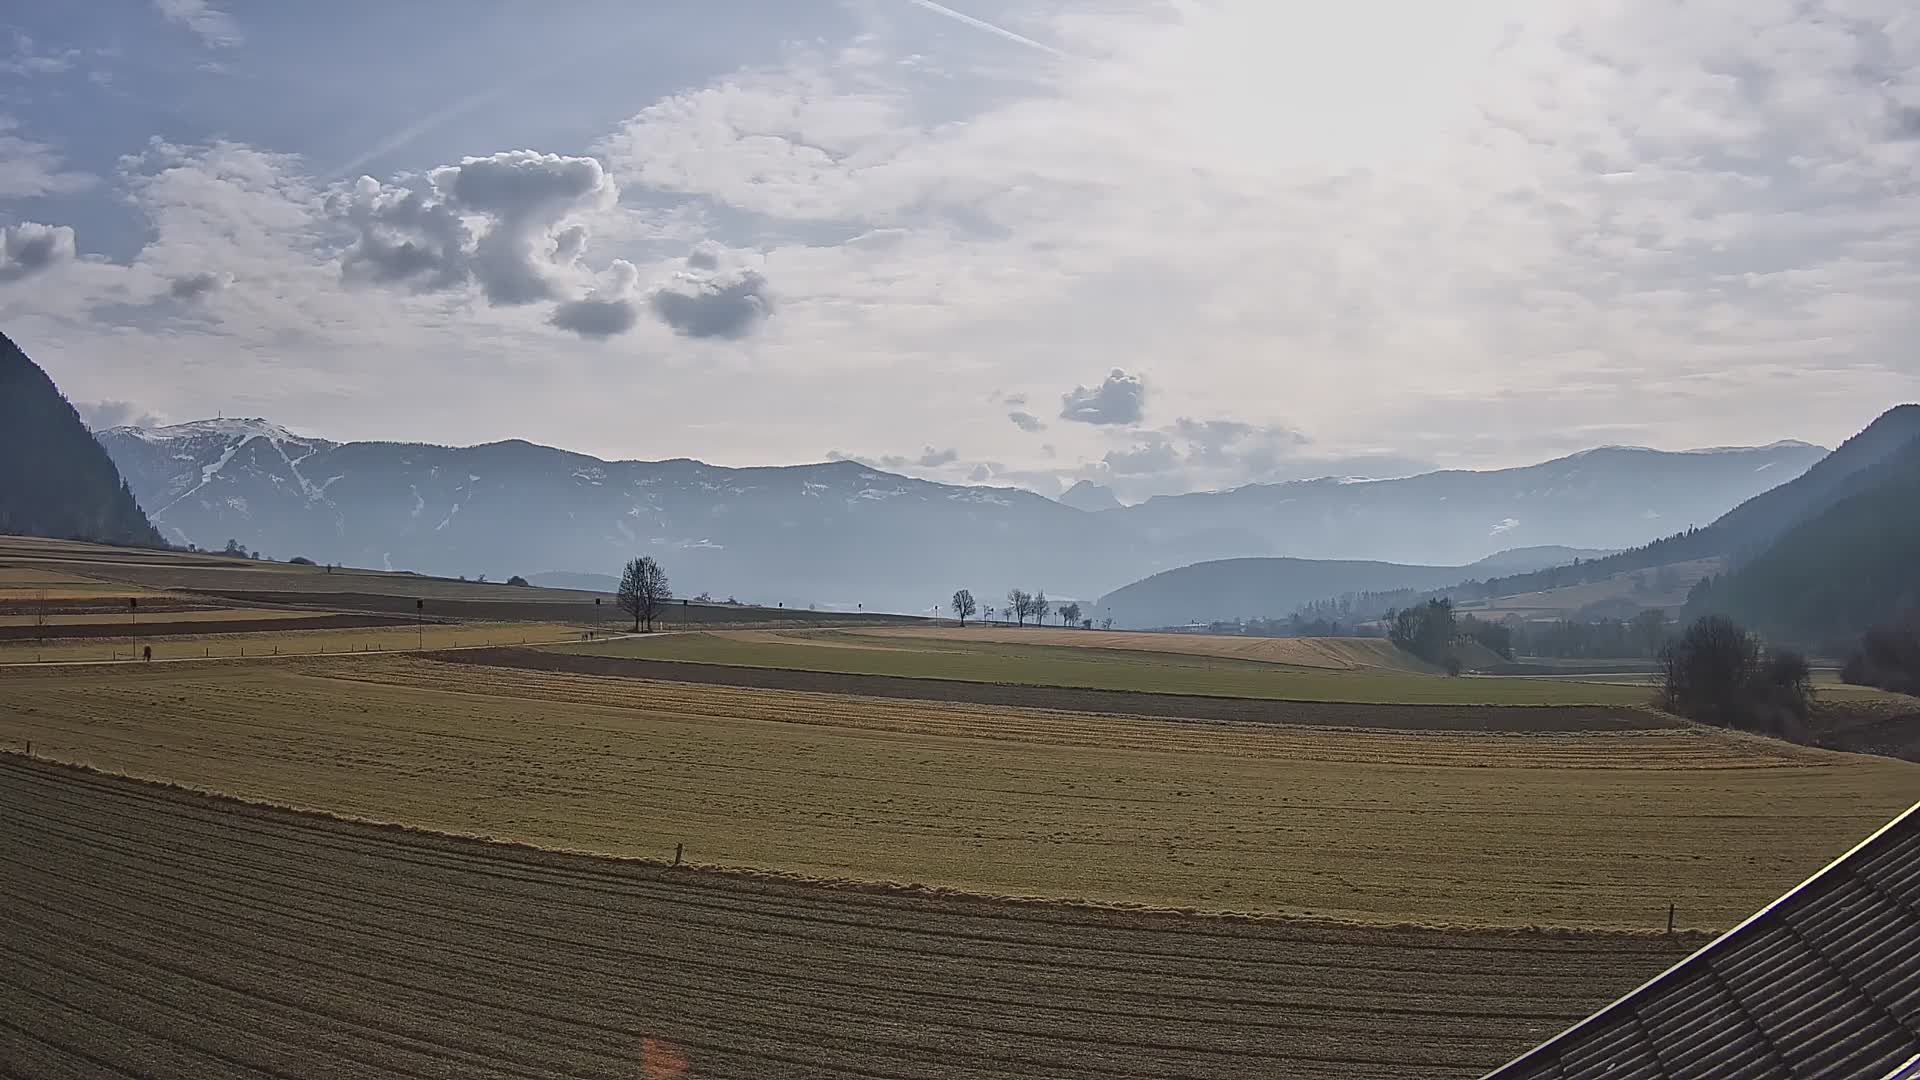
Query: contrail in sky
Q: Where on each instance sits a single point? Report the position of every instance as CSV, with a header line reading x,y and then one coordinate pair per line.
x,y
982,24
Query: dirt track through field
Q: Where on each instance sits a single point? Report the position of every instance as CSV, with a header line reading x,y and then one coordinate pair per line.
x,y
157,933
1489,718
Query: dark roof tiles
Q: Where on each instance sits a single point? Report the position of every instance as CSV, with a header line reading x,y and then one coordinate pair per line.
x,y
1822,983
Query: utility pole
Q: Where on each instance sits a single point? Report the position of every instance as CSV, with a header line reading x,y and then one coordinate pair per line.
x,y
420,622
133,606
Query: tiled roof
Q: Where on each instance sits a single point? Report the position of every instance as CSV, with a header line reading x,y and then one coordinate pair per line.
x,y
1824,982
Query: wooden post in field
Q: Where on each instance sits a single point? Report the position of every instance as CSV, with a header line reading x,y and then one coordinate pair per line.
x,y
678,849
29,747
1669,918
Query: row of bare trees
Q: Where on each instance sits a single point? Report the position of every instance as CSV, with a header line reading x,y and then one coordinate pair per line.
x,y
1022,606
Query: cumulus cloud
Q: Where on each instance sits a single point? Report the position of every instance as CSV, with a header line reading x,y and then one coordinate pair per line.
x,y
187,287
30,247
101,415
706,301
1117,400
931,458
499,221
608,310
1026,421
215,27
981,474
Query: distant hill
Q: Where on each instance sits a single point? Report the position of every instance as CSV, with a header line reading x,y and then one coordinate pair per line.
x,y
1834,573
1228,589
1612,497
55,480
1091,497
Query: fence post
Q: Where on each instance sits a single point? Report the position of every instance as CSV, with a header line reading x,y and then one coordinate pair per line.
x,y
1669,918
678,849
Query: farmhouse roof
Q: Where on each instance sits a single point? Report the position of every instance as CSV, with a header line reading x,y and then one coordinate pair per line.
x,y
1823,982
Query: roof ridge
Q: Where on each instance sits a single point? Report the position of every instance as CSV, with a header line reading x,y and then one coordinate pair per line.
x,y
1625,1001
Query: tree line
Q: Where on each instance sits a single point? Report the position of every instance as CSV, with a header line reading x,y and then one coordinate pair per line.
x,y
1022,607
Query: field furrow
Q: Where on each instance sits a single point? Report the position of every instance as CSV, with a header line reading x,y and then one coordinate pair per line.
x,y
160,933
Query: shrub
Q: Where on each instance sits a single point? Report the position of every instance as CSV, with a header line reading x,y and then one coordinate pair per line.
x,y
300,560
517,580
1716,673
1888,657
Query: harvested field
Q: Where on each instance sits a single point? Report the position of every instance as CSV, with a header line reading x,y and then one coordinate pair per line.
x,y
298,637
865,652
184,624
158,933
1575,829
1332,654
119,617
541,605
1515,718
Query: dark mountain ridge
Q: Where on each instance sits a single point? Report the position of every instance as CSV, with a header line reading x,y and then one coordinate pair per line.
x,y
55,480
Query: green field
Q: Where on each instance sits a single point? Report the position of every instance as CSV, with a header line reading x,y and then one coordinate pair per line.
x,y
854,653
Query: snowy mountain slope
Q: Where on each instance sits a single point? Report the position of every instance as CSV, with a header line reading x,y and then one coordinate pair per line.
x,y
841,534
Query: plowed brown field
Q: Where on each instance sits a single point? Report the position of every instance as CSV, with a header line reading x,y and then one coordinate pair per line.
x,y
156,933
1560,828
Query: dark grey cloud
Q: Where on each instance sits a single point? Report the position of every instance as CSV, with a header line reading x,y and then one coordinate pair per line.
x,y
596,318
1118,400
30,247
706,302
704,257
194,286
101,415
610,309
496,221
1026,421
931,458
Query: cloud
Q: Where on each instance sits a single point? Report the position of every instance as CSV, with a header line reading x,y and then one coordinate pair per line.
x,y
1026,421
1118,400
931,458
610,309
29,168
216,28
101,415
981,474
187,287
1152,455
26,60
496,221
705,301
30,247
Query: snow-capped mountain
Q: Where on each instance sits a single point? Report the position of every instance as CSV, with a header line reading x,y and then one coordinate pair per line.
x,y
832,534
841,533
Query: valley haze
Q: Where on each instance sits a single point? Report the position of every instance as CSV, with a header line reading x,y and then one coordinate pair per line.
x,y
844,535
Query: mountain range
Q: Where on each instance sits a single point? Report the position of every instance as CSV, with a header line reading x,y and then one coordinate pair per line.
x,y
841,534
1812,561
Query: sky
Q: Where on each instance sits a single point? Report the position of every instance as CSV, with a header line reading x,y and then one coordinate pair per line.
x,y
1163,246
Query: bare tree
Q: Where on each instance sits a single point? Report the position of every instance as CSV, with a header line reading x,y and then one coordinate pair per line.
x,y
1040,608
643,590
1019,605
40,618
1070,614
964,606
